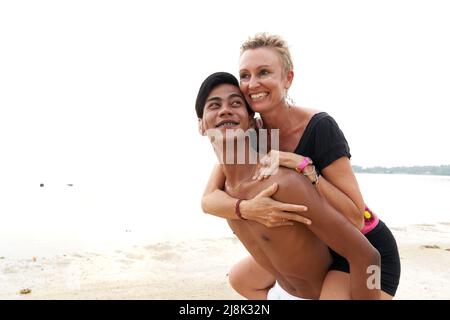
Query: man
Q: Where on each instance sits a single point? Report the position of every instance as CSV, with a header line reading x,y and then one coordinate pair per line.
x,y
297,255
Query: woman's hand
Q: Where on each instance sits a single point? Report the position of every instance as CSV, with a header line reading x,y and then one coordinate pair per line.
x,y
271,213
268,165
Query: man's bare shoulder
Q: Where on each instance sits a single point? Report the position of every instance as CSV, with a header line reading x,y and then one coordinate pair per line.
x,y
287,177
292,186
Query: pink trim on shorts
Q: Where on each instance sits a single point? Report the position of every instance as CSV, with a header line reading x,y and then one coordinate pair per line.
x,y
371,223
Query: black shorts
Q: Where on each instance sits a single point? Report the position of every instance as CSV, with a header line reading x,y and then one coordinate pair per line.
x,y
383,240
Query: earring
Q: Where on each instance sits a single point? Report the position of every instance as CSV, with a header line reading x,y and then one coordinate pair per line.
x,y
289,101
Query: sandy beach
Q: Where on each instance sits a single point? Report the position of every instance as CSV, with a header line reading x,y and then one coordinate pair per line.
x,y
198,270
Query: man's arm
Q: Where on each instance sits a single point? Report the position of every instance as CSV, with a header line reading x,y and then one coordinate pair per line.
x,y
217,202
333,229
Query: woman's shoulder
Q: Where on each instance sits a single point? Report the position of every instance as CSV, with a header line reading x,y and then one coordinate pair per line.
x,y
312,117
306,112
302,116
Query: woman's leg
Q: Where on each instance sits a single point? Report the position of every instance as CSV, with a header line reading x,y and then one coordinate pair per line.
x,y
336,286
250,280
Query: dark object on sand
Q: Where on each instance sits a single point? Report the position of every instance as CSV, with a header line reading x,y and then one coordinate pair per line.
x,y
41,185
430,246
25,291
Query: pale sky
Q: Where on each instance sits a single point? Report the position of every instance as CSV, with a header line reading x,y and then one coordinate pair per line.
x,y
106,89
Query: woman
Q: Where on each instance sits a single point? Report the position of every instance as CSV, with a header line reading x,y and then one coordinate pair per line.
x,y
309,141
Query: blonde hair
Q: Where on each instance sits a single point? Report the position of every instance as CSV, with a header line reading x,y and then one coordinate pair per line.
x,y
264,39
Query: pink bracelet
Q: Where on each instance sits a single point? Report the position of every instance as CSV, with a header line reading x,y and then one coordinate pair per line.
x,y
305,162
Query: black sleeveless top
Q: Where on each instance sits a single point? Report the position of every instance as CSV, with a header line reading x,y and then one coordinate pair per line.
x,y
323,141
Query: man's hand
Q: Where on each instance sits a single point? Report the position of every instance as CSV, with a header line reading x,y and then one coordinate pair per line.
x,y
271,213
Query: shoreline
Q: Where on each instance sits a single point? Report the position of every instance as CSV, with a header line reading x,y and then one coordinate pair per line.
x,y
197,269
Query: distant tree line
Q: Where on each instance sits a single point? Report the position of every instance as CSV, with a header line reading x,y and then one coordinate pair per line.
x,y
442,170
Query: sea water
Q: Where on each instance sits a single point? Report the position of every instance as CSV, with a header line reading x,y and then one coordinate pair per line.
x,y
62,217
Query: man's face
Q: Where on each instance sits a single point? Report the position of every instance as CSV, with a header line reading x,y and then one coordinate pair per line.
x,y
225,109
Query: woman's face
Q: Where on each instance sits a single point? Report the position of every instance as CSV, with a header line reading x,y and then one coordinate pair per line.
x,y
225,109
263,80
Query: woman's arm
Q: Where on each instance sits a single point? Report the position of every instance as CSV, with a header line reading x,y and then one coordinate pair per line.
x,y
337,184
262,208
215,201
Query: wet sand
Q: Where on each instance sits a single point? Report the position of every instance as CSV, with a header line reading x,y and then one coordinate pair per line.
x,y
198,270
